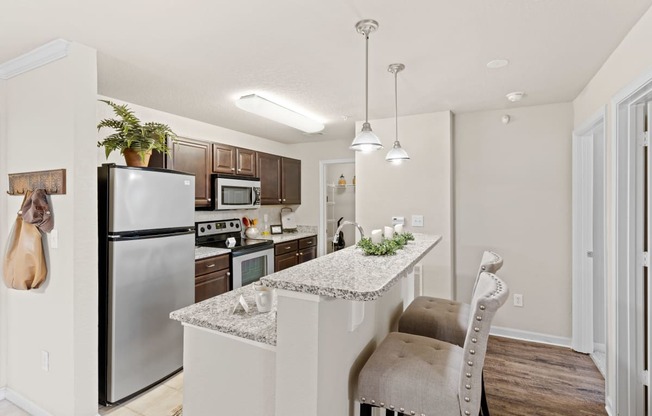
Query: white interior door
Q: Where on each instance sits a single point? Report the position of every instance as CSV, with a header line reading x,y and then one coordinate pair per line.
x,y
583,243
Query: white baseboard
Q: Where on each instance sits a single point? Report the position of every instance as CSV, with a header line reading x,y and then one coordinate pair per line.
x,y
530,336
599,347
2,393
609,407
25,404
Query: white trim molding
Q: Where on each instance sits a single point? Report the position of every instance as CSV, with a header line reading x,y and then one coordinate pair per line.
x,y
2,393
609,407
627,116
530,336
25,404
35,58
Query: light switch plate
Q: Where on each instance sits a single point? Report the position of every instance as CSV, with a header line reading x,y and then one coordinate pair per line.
x,y
398,220
417,220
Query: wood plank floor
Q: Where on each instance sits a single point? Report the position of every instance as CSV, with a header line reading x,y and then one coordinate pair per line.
x,y
528,379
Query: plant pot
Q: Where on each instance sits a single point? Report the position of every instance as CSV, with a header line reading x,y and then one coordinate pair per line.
x,y
132,157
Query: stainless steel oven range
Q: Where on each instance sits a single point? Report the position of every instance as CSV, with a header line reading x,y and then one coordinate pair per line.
x,y
251,259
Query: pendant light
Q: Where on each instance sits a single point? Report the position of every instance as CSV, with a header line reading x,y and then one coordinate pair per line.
x,y
366,140
397,154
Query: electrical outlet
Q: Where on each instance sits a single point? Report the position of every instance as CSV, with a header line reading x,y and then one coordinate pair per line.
x,y
518,300
417,220
45,360
398,220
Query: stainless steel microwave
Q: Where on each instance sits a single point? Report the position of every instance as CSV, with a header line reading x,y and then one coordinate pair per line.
x,y
235,192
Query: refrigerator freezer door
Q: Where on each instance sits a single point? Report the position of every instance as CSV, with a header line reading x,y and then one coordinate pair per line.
x,y
148,279
141,199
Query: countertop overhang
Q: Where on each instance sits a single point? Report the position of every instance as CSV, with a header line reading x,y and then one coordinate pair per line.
x,y
346,274
350,274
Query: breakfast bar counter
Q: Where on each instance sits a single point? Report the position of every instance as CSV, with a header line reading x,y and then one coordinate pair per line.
x,y
303,357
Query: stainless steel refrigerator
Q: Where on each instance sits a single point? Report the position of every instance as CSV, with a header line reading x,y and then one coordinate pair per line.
x,y
146,270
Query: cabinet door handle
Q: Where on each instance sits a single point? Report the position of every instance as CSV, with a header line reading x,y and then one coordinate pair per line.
x,y
297,254
301,254
279,200
210,265
233,169
283,199
228,274
288,247
239,170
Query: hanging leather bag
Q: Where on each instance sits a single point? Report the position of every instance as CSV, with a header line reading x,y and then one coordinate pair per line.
x,y
24,264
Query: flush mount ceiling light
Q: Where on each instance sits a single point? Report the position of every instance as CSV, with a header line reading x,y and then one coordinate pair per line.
x,y
366,140
515,96
397,154
275,112
497,63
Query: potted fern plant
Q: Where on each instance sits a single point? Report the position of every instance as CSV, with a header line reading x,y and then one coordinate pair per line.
x,y
134,139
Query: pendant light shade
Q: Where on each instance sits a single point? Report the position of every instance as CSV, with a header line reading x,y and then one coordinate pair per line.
x,y
397,154
366,140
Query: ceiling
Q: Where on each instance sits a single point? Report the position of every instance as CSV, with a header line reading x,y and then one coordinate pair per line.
x,y
193,58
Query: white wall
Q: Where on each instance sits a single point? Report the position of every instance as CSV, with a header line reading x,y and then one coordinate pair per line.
x,y
513,196
3,231
421,186
629,61
50,123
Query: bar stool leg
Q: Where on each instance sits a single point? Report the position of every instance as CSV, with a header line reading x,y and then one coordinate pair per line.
x,y
483,402
365,409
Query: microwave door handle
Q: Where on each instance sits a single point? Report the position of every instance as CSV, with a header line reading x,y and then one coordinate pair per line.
x,y
253,195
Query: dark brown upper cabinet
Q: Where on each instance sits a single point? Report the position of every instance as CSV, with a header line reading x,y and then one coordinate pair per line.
x,y
269,169
280,179
194,156
233,160
291,181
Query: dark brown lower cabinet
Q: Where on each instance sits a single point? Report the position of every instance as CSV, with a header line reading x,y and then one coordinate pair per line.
x,y
212,276
294,252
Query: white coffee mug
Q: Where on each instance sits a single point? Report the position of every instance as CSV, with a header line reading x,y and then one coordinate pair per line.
x,y
264,297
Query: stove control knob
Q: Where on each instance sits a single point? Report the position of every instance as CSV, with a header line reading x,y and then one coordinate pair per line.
x,y
201,230
209,226
230,224
237,225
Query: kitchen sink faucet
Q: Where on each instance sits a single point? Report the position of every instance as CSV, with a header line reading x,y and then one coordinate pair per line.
x,y
336,238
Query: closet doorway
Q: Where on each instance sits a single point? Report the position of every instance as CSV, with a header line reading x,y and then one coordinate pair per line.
x,y
589,241
337,203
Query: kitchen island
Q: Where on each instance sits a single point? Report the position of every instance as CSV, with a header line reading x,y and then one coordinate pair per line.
x,y
303,357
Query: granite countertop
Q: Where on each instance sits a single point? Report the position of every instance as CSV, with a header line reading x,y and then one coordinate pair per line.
x,y
285,237
215,313
204,252
345,274
350,274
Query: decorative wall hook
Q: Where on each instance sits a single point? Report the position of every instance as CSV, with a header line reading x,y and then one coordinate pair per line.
x,y
52,181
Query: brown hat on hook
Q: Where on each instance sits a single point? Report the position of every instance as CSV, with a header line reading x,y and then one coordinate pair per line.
x,y
36,210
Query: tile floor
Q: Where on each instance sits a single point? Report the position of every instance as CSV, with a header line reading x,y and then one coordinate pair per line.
x,y
162,400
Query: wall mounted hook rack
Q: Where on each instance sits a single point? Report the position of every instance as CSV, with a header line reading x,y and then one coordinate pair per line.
x,y
52,181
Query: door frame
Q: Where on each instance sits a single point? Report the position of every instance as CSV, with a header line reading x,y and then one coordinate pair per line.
x,y
321,232
582,281
625,262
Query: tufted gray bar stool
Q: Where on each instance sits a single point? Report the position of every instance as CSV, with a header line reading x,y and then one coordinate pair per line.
x,y
416,375
445,319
